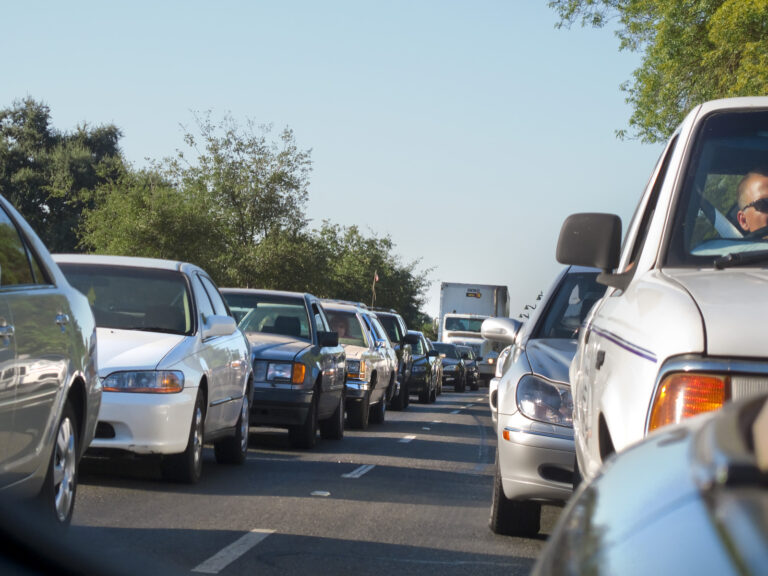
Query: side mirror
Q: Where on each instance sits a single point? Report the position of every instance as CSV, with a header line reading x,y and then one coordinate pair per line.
x,y
590,239
478,359
500,329
218,325
327,339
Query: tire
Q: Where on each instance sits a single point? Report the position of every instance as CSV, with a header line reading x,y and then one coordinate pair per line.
x,y
401,401
359,412
433,396
510,517
577,477
461,386
378,412
60,487
187,467
234,449
304,436
407,397
333,428
424,396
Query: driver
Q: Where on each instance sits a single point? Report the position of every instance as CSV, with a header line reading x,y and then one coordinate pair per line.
x,y
753,200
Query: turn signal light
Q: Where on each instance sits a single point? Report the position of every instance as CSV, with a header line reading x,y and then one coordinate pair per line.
x,y
299,370
687,394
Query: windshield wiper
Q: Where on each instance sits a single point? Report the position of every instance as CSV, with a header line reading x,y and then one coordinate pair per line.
x,y
735,259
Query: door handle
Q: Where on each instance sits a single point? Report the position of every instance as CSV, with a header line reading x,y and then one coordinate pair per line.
x,y
600,359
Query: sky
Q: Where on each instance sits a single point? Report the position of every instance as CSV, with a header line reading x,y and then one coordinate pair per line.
x,y
467,131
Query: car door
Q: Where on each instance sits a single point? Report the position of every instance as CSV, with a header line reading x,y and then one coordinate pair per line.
x,y
35,347
215,359
331,362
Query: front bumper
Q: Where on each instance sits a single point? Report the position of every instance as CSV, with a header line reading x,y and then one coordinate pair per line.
x,y
144,423
535,459
280,406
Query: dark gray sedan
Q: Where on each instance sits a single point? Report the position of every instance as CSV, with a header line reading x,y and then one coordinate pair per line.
x,y
298,364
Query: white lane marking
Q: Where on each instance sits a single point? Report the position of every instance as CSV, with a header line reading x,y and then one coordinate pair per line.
x,y
456,412
406,439
426,428
357,472
226,556
469,406
436,421
320,493
480,400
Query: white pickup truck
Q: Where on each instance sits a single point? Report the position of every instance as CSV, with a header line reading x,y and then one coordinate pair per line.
x,y
683,325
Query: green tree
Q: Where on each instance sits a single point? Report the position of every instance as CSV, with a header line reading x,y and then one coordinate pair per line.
x,y
693,51
50,175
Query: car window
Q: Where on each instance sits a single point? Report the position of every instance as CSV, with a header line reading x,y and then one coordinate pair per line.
x,y
321,322
447,351
271,314
219,307
392,327
348,327
418,347
18,266
129,298
378,329
731,148
568,307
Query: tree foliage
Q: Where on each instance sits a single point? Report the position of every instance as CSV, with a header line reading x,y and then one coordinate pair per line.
x,y
48,174
693,51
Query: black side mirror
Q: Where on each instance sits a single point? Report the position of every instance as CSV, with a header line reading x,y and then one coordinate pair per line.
x,y
327,339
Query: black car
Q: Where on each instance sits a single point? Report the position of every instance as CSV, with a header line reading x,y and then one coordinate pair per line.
x,y
470,363
396,329
298,364
427,370
454,370
689,499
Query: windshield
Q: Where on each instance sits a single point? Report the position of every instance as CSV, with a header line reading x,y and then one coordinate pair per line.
x,y
447,350
724,202
347,326
391,326
463,324
127,298
568,306
271,315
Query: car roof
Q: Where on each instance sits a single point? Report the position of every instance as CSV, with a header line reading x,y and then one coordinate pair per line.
x,y
343,307
265,292
126,261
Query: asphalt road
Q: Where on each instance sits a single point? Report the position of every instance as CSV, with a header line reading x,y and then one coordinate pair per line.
x,y
410,496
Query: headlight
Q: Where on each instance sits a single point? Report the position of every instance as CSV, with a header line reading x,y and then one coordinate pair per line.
x,y
491,361
356,369
545,401
153,381
419,368
286,372
685,394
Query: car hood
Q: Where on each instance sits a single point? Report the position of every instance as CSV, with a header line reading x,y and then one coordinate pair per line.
x,y
274,346
354,352
551,357
132,349
732,304
449,361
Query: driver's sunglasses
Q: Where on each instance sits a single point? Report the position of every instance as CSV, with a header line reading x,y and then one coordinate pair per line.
x,y
761,205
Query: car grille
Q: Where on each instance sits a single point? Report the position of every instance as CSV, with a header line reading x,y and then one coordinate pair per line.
x,y
744,385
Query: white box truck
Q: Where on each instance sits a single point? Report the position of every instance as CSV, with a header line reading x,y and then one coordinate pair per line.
x,y
463,307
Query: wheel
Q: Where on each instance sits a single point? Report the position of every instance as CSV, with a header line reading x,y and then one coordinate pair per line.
x,y
358,413
397,401
333,428
475,385
187,467
511,517
60,486
234,449
433,395
378,412
461,386
305,435
407,397
424,396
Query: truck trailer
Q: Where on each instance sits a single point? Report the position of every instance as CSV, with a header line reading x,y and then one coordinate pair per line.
x,y
463,307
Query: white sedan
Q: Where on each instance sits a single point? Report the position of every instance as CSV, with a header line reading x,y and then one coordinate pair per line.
x,y
174,367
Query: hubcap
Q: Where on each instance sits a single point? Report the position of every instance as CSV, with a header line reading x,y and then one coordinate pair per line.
x,y
197,438
64,469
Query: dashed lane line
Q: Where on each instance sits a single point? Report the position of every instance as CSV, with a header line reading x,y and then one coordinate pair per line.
x,y
406,439
226,556
359,471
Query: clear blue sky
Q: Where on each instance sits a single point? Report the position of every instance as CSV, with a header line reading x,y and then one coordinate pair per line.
x,y
466,130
